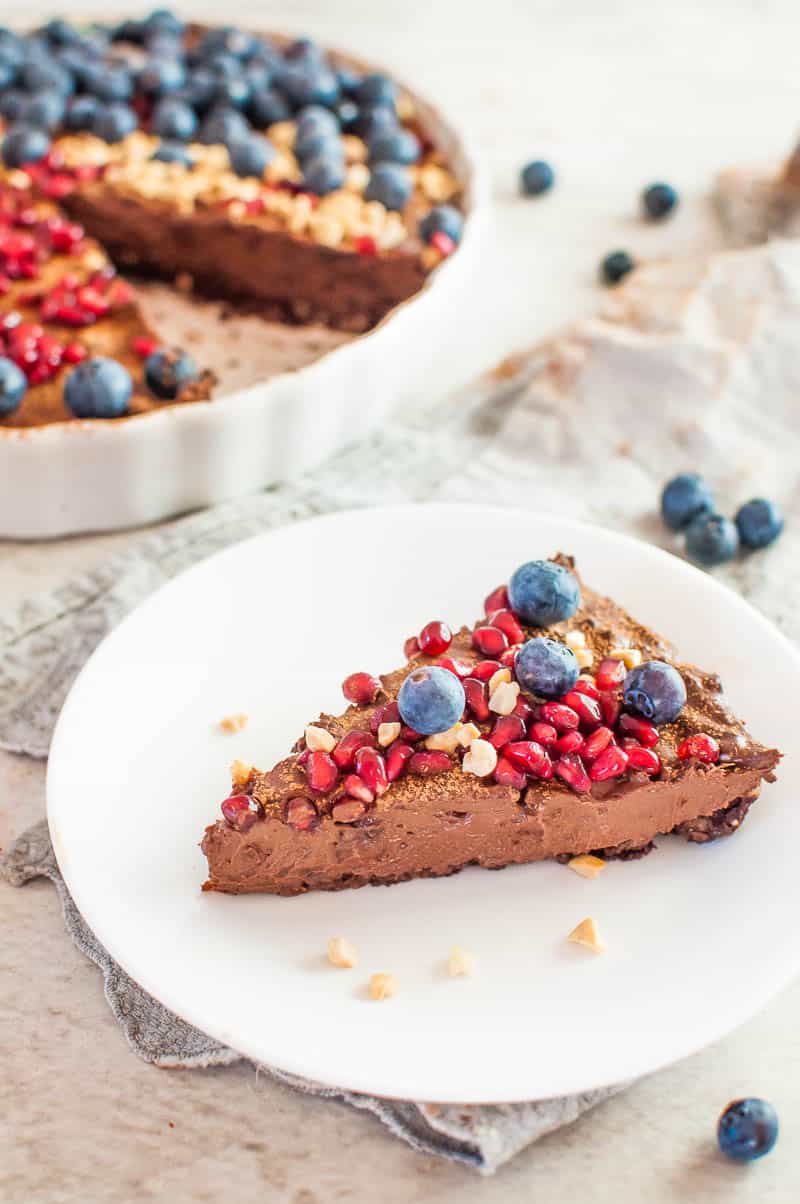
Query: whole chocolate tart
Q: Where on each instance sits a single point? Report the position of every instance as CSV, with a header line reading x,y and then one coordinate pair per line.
x,y
518,777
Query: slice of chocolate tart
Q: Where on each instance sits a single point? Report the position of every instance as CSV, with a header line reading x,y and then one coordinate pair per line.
x,y
557,725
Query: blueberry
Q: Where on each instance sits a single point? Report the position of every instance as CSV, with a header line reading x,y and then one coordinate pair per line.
x,y
759,523
161,76
250,156
98,388
305,48
347,112
235,92
308,84
444,219
12,386
223,125
684,498
394,146
711,539
542,593
24,144
390,184
43,109
374,119
167,372
60,32
8,73
163,21
349,80
114,122
655,690
431,700
267,107
223,66
312,145
12,103
376,89
129,31
658,200
323,175
199,89
314,119
108,83
615,266
536,177
747,1129
174,119
81,112
227,40
173,152
41,76
546,667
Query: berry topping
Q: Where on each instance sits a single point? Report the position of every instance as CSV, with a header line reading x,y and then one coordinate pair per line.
x,y
390,184
344,754
508,729
387,712
659,200
655,690
615,266
509,775
476,695
496,600
584,686
536,177
376,89
24,144
639,729
747,1129
12,386
323,174
642,759
442,219
361,688
711,539
610,705
597,742
397,758
610,674
530,756
570,769
167,372
699,747
81,112
98,388
587,709
759,523
610,763
301,814
543,733
394,146
114,122
547,668
241,811
429,764
490,641
506,621
570,742
485,670
321,771
684,498
541,593
435,638
356,787
431,700
174,119
371,768
559,716
251,156
460,668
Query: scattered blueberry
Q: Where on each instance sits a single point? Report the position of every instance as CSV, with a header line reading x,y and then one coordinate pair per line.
x,y
173,152
349,80
304,48
81,113
161,76
267,107
174,119
374,119
223,66
542,593
226,40
225,126
537,177
759,523
394,146
42,75
747,1129
235,92
308,83
546,667
166,373
323,175
314,119
376,89
655,690
199,89
108,83
315,143
24,144
114,122
390,184
12,386
431,700
8,73
711,539
250,156
615,266
60,32
163,21
98,388
658,200
348,112
444,219
43,109
12,103
684,498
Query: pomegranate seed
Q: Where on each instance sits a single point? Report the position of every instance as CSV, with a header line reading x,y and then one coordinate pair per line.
x,y
366,245
428,764
348,811
5,285
443,243
142,345
523,710
496,600
411,648
610,674
74,353
301,814
508,775
388,712
371,767
435,638
543,733
643,759
640,729
584,686
611,763
507,729
64,235
610,707
699,747
397,757
459,668
570,742
361,688
508,623
570,769
93,301
409,735
527,755
588,710
484,670
59,186
509,656
241,811
322,772
563,718
344,754
600,738
489,641
356,787
476,695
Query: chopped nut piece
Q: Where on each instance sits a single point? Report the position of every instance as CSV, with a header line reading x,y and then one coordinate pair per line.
x,y
356,177
430,258
504,698
586,934
388,733
342,953
383,986
584,658
587,866
480,759
467,733
241,773
575,639
282,134
631,656
461,963
234,723
497,679
319,738
355,149
437,184
445,741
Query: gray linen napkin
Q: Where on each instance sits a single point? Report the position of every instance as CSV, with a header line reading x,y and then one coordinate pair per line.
x,y
588,425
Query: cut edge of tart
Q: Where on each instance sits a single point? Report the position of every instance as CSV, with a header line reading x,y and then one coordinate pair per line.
x,y
521,774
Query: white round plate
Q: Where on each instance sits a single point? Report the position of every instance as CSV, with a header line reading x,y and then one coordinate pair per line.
x,y
698,937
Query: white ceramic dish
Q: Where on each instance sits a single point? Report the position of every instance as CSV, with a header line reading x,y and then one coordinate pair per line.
x,y
75,477
698,937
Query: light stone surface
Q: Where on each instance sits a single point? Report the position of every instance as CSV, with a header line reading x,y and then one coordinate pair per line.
x,y
617,95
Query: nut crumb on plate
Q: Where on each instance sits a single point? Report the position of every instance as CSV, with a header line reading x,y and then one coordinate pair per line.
x,y
587,866
234,723
586,934
241,773
342,953
383,986
461,963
